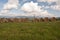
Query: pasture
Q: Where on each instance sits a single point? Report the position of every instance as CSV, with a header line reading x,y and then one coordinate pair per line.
x,y
30,31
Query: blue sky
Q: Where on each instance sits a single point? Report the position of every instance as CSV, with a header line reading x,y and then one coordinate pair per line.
x,y
19,10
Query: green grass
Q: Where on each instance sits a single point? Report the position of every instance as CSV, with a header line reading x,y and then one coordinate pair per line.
x,y
30,31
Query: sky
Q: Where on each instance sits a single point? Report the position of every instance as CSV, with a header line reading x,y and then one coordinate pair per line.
x,y
38,8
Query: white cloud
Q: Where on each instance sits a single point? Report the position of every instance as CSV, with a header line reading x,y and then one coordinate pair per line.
x,y
54,7
9,5
58,2
33,9
49,1
30,8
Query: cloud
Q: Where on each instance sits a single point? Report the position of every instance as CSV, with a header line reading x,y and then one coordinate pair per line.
x,y
49,1
58,2
55,7
29,9
11,4
32,8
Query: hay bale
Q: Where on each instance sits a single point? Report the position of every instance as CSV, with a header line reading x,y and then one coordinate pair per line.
x,y
46,19
26,19
5,20
35,20
11,20
19,20
0,20
16,20
22,20
53,19
41,20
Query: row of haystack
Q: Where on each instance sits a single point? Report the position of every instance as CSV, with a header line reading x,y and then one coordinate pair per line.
x,y
13,20
46,19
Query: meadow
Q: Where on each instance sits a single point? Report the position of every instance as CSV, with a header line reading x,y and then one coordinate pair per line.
x,y
30,31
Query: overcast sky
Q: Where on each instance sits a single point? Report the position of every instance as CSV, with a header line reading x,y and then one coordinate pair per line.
x,y
43,8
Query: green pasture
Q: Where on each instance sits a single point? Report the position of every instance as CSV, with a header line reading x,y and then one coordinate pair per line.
x,y
30,31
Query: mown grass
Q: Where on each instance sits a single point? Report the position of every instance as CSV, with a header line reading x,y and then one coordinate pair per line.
x,y
30,31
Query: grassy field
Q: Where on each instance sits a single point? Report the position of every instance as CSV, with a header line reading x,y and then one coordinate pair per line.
x,y
30,31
